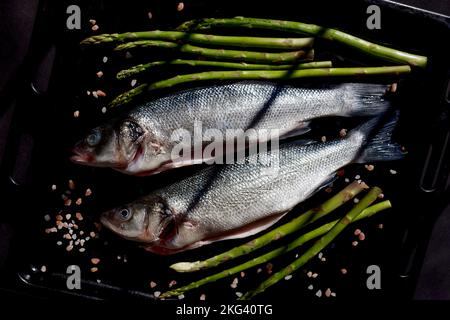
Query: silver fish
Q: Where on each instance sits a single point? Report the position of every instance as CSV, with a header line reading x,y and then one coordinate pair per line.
x,y
141,142
238,200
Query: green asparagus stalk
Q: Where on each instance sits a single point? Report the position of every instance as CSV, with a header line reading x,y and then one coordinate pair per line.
x,y
135,70
319,245
204,39
368,212
259,75
346,194
234,55
359,44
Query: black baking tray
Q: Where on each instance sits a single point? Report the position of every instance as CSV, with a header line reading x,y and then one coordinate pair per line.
x,y
44,130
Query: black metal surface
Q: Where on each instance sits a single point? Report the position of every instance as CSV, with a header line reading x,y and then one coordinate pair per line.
x,y
44,130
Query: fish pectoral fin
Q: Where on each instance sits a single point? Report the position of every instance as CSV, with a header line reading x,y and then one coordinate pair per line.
x,y
300,130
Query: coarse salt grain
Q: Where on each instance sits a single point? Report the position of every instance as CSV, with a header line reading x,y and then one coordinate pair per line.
x,y
67,202
202,297
323,139
309,274
149,15
79,201
393,171
310,287
101,93
58,243
69,248
355,243
320,255
133,82
94,94
172,283
242,274
88,192
95,27
68,216
239,294
362,236
380,226
157,294
259,270
343,133
94,269
82,249
79,216
92,21
92,234
344,271
288,277
333,294
181,297
180,6
76,114
328,292
323,259
105,59
88,93
99,74
128,55
347,180
381,196
319,293
357,232
47,217
355,200
43,268
104,110
370,167
315,275
53,187
71,184
357,177
152,284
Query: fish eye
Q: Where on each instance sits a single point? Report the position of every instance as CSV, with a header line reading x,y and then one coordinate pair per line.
x,y
124,214
94,138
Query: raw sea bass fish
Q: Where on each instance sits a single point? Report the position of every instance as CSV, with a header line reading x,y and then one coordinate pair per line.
x,y
140,142
238,200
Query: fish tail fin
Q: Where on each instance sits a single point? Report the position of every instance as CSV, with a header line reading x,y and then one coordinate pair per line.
x,y
378,144
365,99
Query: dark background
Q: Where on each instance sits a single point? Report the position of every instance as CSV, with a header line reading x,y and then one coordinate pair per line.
x,y
18,65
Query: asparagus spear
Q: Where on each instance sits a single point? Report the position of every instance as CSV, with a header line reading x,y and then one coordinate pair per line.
x,y
346,194
258,75
359,44
204,39
220,64
368,212
318,246
235,55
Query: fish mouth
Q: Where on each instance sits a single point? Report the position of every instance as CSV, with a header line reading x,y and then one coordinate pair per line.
x,y
80,157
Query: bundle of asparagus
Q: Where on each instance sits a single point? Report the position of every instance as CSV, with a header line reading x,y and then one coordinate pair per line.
x,y
288,58
363,209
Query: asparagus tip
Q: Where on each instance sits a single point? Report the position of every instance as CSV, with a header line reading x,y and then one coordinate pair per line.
x,y
184,266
